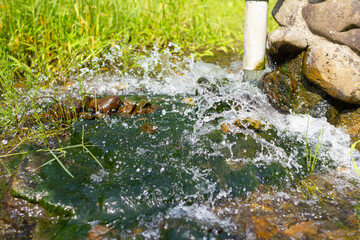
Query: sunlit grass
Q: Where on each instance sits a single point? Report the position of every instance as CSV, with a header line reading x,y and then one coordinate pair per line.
x,y
50,35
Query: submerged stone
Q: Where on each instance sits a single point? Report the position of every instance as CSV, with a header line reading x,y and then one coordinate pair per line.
x,y
86,101
225,127
98,232
143,108
270,213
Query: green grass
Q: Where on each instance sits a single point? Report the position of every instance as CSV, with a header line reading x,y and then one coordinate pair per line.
x,y
46,34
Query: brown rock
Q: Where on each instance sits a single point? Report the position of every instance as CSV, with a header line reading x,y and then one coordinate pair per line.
x,y
287,12
100,115
347,117
127,108
86,103
337,21
285,43
341,234
67,109
335,70
294,92
106,105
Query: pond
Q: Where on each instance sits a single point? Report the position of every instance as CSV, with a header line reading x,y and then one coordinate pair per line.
x,y
214,161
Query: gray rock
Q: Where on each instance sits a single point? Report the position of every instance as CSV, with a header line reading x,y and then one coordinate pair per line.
x,y
336,20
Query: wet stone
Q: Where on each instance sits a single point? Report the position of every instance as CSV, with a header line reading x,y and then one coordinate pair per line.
x,y
281,88
302,230
127,108
289,214
106,105
225,127
264,227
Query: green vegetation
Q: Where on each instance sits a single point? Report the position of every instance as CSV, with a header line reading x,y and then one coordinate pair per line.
x,y
312,155
351,151
51,36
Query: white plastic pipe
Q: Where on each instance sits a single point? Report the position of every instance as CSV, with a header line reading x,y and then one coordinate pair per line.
x,y
256,12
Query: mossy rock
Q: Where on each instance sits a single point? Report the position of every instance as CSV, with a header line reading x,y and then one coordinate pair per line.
x,y
288,90
280,88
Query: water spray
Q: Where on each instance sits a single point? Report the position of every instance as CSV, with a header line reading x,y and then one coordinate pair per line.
x,y
256,12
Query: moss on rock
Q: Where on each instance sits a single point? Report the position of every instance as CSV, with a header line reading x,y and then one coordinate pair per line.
x,y
288,90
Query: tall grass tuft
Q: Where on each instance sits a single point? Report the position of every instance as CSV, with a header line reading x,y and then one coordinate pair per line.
x,y
312,155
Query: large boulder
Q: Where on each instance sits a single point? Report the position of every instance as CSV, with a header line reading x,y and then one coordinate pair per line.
x,y
337,21
322,39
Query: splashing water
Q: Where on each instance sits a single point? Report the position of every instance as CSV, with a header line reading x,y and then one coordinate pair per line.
x,y
176,183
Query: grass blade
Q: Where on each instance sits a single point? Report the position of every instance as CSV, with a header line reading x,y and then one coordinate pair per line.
x,y
351,151
6,168
92,155
62,165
